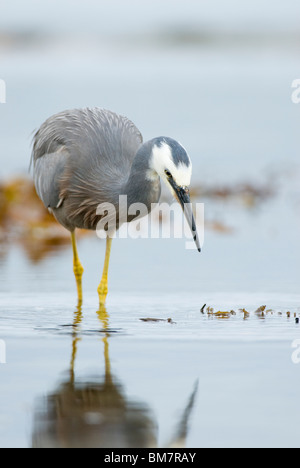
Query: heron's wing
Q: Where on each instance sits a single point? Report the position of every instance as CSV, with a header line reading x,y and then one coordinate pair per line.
x,y
103,146
89,134
84,155
47,172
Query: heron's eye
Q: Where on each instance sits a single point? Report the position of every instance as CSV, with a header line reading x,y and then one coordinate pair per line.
x,y
168,173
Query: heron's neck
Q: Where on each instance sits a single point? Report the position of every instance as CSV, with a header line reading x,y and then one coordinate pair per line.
x,y
143,184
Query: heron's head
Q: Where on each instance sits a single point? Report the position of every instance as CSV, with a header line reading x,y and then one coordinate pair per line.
x,y
170,161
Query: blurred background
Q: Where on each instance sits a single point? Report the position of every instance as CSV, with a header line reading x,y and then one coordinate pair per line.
x,y
217,76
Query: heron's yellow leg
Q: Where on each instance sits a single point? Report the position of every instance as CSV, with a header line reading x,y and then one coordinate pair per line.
x,y
103,289
78,269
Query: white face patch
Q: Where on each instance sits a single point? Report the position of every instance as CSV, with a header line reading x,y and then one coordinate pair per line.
x,y
162,160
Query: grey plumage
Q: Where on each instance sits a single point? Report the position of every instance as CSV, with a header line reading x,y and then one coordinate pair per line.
x,y
72,158
52,164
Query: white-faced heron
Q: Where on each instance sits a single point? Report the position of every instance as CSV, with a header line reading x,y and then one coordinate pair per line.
x,y
86,157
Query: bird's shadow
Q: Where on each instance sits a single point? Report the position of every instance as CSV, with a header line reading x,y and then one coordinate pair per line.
x,y
97,413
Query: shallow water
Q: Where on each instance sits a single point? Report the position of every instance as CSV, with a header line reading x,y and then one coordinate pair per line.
x,y
83,377
134,380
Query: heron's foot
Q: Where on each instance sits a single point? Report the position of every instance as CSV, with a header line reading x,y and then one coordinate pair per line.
x,y
103,290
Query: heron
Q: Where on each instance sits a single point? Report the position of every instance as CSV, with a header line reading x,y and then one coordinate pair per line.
x,y
83,158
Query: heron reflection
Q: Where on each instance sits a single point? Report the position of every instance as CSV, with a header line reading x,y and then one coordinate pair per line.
x,y
98,413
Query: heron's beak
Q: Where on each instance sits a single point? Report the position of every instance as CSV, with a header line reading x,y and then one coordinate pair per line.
x,y
183,197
